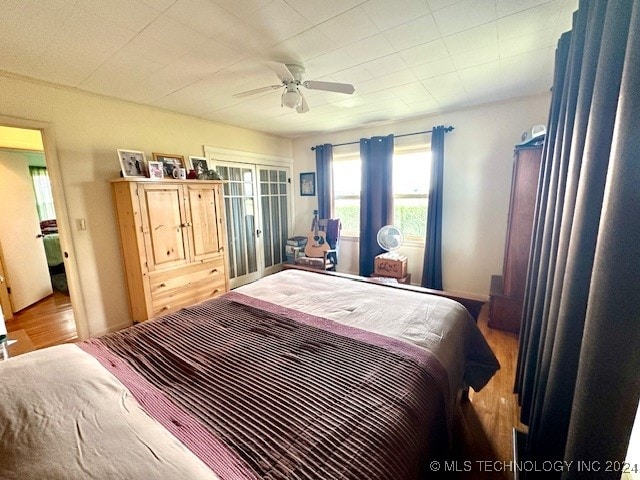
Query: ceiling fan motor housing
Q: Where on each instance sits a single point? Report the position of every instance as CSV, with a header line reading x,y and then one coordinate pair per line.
x,y
297,72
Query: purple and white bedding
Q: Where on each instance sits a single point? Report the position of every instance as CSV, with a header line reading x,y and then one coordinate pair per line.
x,y
239,387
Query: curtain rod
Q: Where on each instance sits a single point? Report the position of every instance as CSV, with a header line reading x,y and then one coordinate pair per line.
x,y
447,129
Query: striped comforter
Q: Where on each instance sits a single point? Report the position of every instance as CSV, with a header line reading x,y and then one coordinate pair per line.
x,y
261,391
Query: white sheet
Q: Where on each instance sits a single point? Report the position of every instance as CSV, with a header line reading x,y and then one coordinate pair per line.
x,y
442,326
63,416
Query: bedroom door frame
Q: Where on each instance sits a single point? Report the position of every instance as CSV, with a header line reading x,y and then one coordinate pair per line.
x,y
47,131
254,162
5,300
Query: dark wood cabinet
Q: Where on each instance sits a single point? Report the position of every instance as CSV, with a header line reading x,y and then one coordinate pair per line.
x,y
507,290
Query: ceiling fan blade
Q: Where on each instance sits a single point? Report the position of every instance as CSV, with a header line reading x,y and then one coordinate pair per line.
x,y
330,86
283,72
303,107
257,90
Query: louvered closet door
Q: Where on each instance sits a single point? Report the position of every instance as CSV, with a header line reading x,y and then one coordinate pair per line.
x,y
256,203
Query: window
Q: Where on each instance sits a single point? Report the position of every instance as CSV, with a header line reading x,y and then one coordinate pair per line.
x,y
44,197
346,193
411,171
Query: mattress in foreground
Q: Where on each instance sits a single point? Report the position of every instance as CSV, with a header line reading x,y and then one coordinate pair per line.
x,y
234,388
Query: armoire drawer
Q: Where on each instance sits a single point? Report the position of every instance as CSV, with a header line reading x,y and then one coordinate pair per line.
x,y
185,286
164,281
177,298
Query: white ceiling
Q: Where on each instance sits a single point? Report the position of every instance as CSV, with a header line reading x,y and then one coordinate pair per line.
x,y
406,58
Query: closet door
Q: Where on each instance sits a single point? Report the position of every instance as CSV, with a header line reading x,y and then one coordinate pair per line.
x,y
241,209
274,204
256,202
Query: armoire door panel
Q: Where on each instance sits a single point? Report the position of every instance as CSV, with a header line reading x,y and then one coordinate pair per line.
x,y
203,224
520,226
164,226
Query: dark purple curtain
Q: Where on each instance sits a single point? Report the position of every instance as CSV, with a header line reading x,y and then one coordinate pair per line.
x,y
577,376
376,196
324,179
432,266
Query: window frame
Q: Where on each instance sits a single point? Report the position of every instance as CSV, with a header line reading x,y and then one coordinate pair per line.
x,y
399,150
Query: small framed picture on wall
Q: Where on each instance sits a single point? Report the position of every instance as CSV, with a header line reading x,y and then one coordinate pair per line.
x,y
308,184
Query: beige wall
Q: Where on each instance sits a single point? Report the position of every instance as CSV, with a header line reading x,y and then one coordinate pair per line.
x,y
88,130
477,179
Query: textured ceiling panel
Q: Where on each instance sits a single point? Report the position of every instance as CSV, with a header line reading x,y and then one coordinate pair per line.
x,y
406,58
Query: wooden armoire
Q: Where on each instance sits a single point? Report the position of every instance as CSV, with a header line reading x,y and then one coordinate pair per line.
x,y
507,290
173,239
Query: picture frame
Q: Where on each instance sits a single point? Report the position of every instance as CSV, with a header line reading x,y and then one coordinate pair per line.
x,y
132,163
156,170
169,162
308,184
200,165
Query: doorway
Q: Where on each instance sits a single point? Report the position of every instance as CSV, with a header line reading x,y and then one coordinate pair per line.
x,y
257,196
34,270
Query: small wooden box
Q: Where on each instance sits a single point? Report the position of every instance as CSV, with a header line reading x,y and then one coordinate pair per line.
x,y
390,265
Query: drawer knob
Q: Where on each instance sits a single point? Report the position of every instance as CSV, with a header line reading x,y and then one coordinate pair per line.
x,y
216,291
166,307
214,270
163,284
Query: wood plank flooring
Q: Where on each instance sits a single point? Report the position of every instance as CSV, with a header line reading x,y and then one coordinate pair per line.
x,y
48,322
484,423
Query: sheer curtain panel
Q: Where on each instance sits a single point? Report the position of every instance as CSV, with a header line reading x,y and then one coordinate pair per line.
x,y
42,189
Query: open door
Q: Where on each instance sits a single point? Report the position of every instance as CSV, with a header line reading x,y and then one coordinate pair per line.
x,y
25,261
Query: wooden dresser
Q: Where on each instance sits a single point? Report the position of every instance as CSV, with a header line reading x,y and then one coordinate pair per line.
x,y
507,290
173,238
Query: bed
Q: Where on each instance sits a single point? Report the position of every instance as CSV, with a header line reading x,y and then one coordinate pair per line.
x,y
297,375
52,249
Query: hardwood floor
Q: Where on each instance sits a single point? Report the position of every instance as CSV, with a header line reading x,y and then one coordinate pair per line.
x,y
48,322
484,423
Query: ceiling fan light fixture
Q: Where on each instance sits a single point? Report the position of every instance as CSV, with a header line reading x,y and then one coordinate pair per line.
x,y
291,97
291,77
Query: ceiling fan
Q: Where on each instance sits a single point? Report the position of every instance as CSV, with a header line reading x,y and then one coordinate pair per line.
x,y
291,77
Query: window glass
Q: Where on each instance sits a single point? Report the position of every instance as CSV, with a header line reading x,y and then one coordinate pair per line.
x,y
411,171
346,193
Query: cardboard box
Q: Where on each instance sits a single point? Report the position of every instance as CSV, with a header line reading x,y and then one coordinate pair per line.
x,y
390,265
